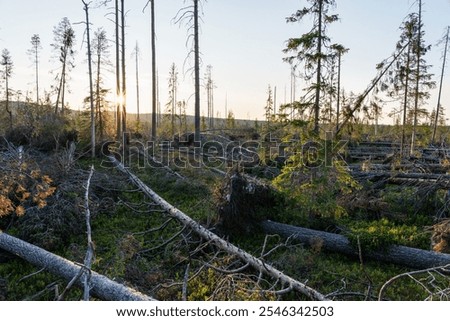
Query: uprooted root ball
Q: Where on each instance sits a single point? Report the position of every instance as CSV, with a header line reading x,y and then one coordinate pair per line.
x,y
241,202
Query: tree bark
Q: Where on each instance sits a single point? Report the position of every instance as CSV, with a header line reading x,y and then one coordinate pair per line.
x,y
153,136
397,254
118,94
91,90
256,263
319,70
102,287
438,107
196,73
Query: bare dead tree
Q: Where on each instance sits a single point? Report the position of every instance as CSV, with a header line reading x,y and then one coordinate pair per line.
x,y
123,65
91,86
190,16
34,53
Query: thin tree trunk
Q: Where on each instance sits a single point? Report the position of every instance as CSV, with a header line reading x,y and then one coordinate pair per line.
x,y
137,85
8,110
37,74
124,83
368,90
101,128
118,94
338,101
416,98
63,90
102,287
91,87
61,85
153,138
197,73
319,71
438,107
405,101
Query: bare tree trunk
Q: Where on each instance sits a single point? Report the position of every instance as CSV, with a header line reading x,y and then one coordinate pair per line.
x,y
102,287
124,83
338,101
153,136
118,94
136,50
319,71
61,86
405,102
256,263
91,87
197,73
416,98
368,90
8,110
98,102
438,107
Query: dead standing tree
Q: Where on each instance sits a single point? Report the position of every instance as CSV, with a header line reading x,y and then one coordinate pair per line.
x,y
154,81
91,86
34,53
189,15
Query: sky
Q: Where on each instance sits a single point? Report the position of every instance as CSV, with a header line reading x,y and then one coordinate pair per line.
x,y
241,39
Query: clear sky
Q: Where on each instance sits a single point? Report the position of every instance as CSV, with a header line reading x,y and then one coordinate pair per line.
x,y
241,39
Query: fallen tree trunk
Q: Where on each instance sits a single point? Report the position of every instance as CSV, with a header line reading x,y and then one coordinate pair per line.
x,y
256,263
439,181
397,254
102,287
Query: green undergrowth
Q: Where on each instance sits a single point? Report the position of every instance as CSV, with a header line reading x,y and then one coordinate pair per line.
x,y
128,246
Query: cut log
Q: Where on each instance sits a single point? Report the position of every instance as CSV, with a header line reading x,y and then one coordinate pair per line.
x,y
102,287
396,254
184,219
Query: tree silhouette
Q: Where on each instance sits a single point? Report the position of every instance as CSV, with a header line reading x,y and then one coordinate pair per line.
x,y
34,53
64,41
7,68
310,50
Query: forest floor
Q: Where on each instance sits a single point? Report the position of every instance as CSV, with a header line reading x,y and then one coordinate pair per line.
x,y
138,244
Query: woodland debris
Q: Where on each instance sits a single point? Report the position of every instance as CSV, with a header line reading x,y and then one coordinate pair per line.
x,y
256,263
396,254
240,200
101,286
